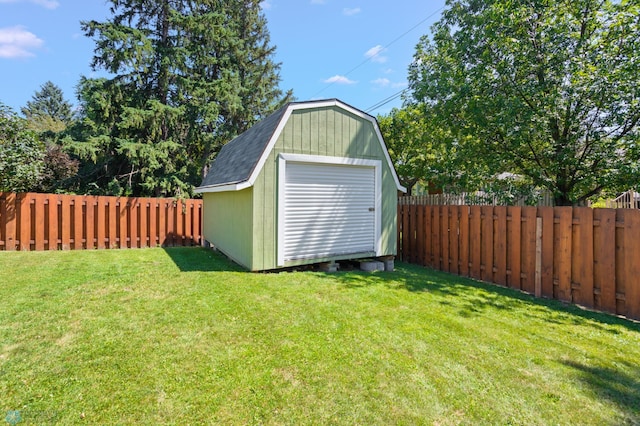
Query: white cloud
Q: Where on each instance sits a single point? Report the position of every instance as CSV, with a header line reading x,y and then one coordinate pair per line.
x,y
49,4
350,12
265,5
339,79
16,42
381,82
375,54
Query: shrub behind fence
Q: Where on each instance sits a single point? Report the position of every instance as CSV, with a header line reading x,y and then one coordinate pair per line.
x,y
580,255
30,221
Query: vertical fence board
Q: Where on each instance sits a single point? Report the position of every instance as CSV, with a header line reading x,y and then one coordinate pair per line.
x,y
582,256
528,250
437,230
562,252
500,245
454,241
200,238
24,216
134,220
178,238
162,222
546,280
11,217
90,222
445,211
78,220
428,236
487,243
3,219
65,222
154,240
475,229
405,233
604,261
54,230
631,262
39,221
420,235
113,222
188,232
412,233
619,267
464,241
123,219
514,258
143,232
101,223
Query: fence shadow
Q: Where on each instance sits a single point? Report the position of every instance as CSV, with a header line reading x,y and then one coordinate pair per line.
x,y
200,259
474,297
614,385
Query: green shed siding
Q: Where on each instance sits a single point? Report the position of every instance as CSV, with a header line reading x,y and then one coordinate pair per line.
x,y
228,224
327,131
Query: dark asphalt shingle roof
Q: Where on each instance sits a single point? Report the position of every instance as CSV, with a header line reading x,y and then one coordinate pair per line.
x,y
237,159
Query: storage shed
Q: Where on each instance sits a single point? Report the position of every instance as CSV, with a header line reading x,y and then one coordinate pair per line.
x,y
313,182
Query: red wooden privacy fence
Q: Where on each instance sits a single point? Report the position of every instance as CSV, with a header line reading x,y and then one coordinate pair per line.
x,y
580,255
30,221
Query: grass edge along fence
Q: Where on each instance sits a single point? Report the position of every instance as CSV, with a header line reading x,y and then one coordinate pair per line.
x,y
32,221
590,257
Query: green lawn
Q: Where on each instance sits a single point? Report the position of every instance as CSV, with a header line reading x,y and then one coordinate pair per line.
x,y
182,336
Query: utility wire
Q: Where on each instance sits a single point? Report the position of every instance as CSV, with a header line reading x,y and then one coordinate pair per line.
x,y
386,101
381,50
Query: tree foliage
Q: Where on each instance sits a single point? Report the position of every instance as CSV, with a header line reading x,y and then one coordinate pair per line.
x,y
49,108
413,144
21,154
547,90
188,76
49,115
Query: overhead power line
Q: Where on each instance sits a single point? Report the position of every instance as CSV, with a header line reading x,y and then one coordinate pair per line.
x,y
386,101
381,50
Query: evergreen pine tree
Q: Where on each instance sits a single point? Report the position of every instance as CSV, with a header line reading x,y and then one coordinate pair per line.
x,y
188,75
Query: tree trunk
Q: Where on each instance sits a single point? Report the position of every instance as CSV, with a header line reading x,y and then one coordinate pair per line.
x,y
562,200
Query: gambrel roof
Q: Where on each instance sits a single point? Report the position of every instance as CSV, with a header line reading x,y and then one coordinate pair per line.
x,y
239,162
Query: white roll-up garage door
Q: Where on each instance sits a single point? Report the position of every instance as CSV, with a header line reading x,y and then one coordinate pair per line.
x,y
329,210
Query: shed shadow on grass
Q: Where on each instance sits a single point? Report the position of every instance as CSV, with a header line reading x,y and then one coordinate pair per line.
x,y
200,259
613,385
474,297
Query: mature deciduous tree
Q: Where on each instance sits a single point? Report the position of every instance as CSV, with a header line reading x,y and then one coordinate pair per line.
x,y
412,144
189,75
21,153
546,89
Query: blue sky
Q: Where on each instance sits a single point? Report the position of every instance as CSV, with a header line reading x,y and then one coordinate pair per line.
x,y
354,50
